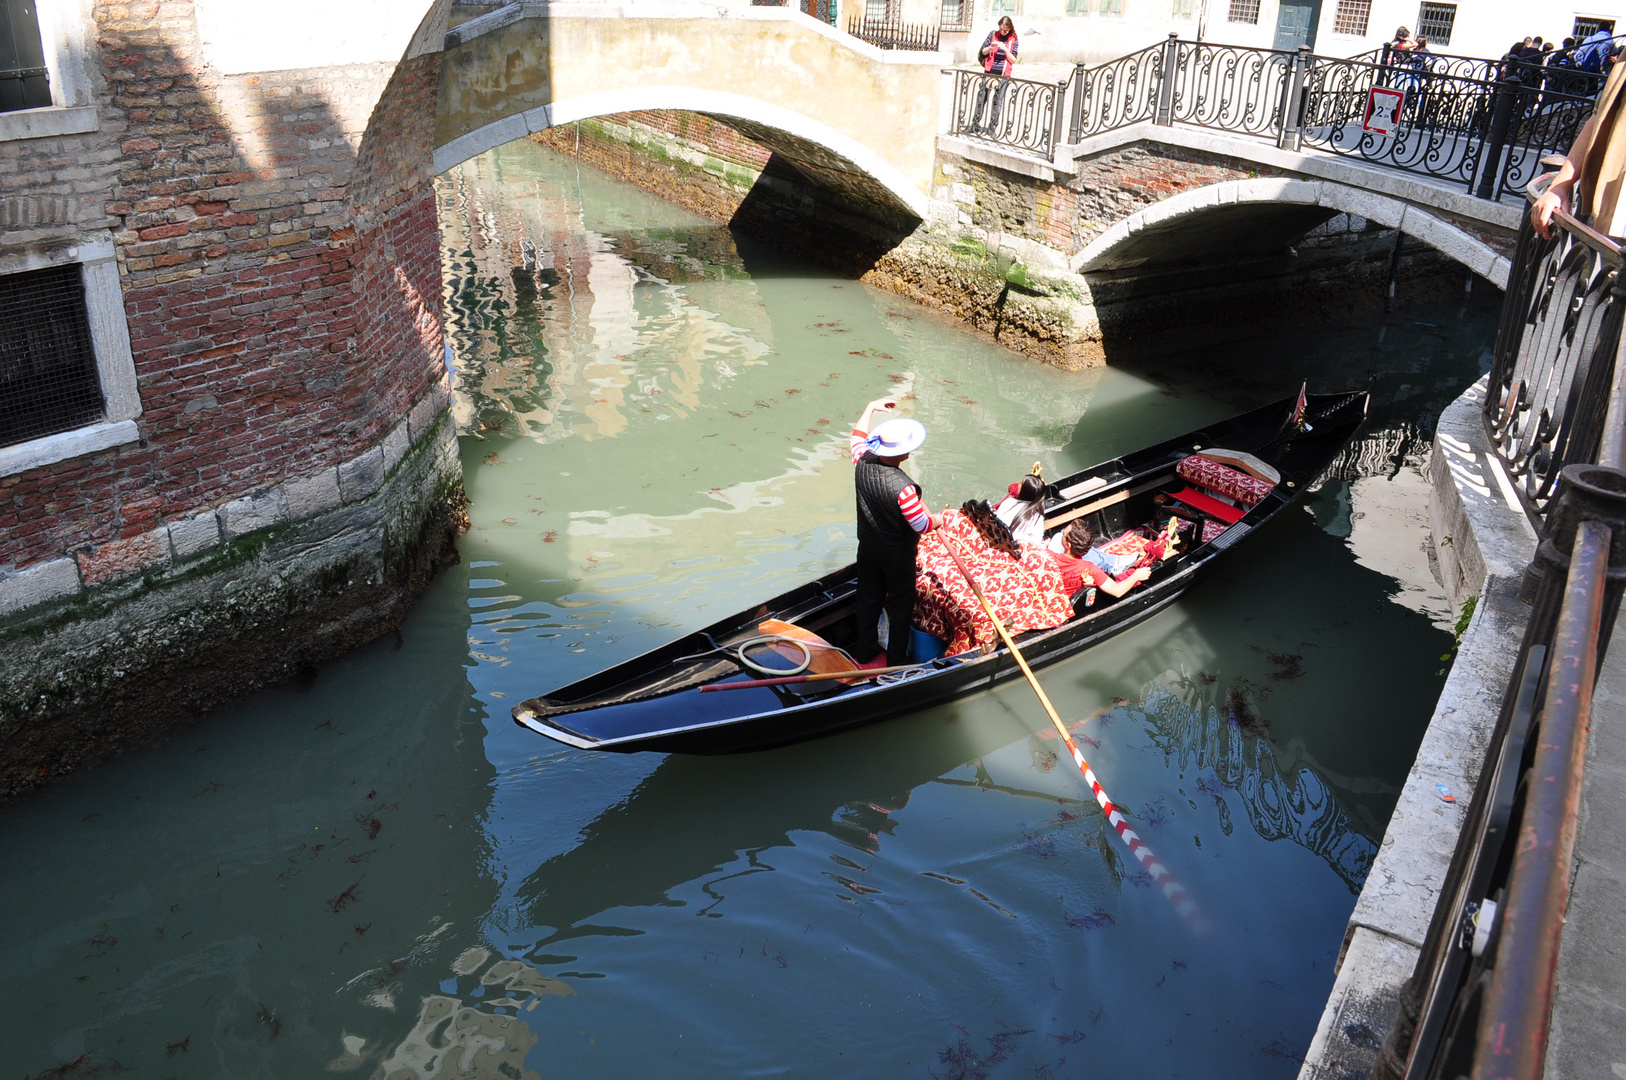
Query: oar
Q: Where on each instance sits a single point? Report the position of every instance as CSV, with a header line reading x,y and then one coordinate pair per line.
x,y
786,680
1182,901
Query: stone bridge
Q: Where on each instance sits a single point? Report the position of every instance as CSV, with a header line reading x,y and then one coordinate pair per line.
x,y
852,118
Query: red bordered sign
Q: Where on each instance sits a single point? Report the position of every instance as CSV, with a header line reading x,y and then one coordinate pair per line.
x,y
1383,107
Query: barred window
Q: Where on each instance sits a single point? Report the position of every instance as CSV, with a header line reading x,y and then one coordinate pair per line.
x,y
1586,26
1182,9
1243,11
24,83
875,11
48,379
1352,17
956,15
1434,21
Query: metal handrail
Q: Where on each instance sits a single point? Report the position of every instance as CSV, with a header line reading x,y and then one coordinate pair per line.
x,y
1479,999
1486,126
1019,114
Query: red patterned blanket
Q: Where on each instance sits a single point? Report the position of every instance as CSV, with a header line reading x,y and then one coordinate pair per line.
x,y
1027,595
1223,480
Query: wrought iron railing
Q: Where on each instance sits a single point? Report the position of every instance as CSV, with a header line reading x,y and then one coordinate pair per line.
x,y
888,33
1483,124
1554,357
1020,114
1480,997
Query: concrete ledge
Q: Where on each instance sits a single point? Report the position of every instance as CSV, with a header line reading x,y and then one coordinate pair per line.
x,y
1483,541
998,157
1365,1003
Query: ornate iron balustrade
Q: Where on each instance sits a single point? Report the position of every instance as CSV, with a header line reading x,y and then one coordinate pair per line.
x,y
1229,88
1479,999
893,33
1117,93
1483,124
1017,113
1554,357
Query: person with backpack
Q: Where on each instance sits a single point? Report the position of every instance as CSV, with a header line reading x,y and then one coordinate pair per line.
x,y
997,57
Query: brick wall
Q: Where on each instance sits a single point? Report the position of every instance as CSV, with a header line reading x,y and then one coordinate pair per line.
x,y
1066,214
277,244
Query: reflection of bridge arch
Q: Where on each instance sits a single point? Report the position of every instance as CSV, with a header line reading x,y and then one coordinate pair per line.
x,y
1257,215
857,121
1297,805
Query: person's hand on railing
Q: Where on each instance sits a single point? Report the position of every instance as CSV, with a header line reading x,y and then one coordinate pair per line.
x,y
1547,203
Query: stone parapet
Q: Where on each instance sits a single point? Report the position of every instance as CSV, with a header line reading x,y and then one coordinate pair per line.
x,y
1482,541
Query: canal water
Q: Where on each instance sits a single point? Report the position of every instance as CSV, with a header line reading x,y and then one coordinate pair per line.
x,y
376,872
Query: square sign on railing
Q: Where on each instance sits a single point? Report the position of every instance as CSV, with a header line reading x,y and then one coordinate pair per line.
x,y
1383,109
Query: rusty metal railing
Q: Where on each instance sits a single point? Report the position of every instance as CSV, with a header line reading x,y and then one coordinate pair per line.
x,y
1480,998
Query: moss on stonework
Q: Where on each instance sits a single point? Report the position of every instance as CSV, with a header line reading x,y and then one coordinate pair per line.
x,y
128,662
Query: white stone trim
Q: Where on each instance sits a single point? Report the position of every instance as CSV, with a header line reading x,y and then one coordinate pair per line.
x,y
48,121
38,584
67,444
295,499
109,340
1443,236
684,99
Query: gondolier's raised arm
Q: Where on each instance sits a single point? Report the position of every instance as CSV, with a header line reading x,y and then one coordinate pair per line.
x,y
866,423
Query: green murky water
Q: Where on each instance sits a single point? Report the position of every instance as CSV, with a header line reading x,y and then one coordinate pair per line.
x,y
378,873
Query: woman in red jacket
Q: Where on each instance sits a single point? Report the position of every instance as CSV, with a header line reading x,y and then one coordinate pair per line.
x,y
997,57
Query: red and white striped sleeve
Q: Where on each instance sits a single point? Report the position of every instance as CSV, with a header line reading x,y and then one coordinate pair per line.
x,y
856,443
914,511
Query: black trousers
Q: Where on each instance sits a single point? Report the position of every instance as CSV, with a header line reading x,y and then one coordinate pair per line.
x,y
886,578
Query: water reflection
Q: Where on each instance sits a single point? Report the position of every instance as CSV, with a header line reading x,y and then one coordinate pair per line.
x,y
379,873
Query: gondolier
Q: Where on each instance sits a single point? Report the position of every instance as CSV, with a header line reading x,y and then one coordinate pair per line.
x,y
891,519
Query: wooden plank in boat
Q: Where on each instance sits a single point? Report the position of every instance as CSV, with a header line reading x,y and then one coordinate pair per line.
x,y
1102,503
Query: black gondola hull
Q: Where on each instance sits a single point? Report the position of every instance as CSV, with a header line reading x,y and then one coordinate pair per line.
x,y
652,702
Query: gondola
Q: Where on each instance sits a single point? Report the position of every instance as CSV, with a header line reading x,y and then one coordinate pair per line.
x,y
654,701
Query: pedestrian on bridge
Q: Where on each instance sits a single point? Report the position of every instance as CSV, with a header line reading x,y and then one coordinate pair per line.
x,y
998,57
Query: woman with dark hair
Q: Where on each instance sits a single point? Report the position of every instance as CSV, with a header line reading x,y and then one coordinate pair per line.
x,y
997,57
1023,511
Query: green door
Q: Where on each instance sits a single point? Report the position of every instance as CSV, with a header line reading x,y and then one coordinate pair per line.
x,y
1295,23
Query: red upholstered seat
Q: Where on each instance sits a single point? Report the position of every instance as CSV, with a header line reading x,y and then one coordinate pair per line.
x,y
1219,479
1209,505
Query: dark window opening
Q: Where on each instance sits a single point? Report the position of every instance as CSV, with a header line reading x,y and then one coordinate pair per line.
x,y
1435,22
48,380
1586,26
24,83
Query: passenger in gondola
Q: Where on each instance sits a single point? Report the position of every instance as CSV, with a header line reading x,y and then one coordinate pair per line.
x,y
1084,566
892,517
1023,511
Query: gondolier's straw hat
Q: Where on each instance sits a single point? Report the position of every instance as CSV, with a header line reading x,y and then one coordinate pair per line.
x,y
895,438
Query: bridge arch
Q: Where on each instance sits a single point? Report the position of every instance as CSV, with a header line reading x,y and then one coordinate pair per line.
x,y
857,121
834,158
1280,210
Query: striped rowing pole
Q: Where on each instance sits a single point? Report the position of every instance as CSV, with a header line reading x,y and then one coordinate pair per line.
x,y
1184,905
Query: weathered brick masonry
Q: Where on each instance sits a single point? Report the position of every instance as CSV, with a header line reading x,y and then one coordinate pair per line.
x,y
277,245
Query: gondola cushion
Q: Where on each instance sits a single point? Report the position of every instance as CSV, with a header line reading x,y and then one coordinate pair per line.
x,y
1223,480
1026,594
